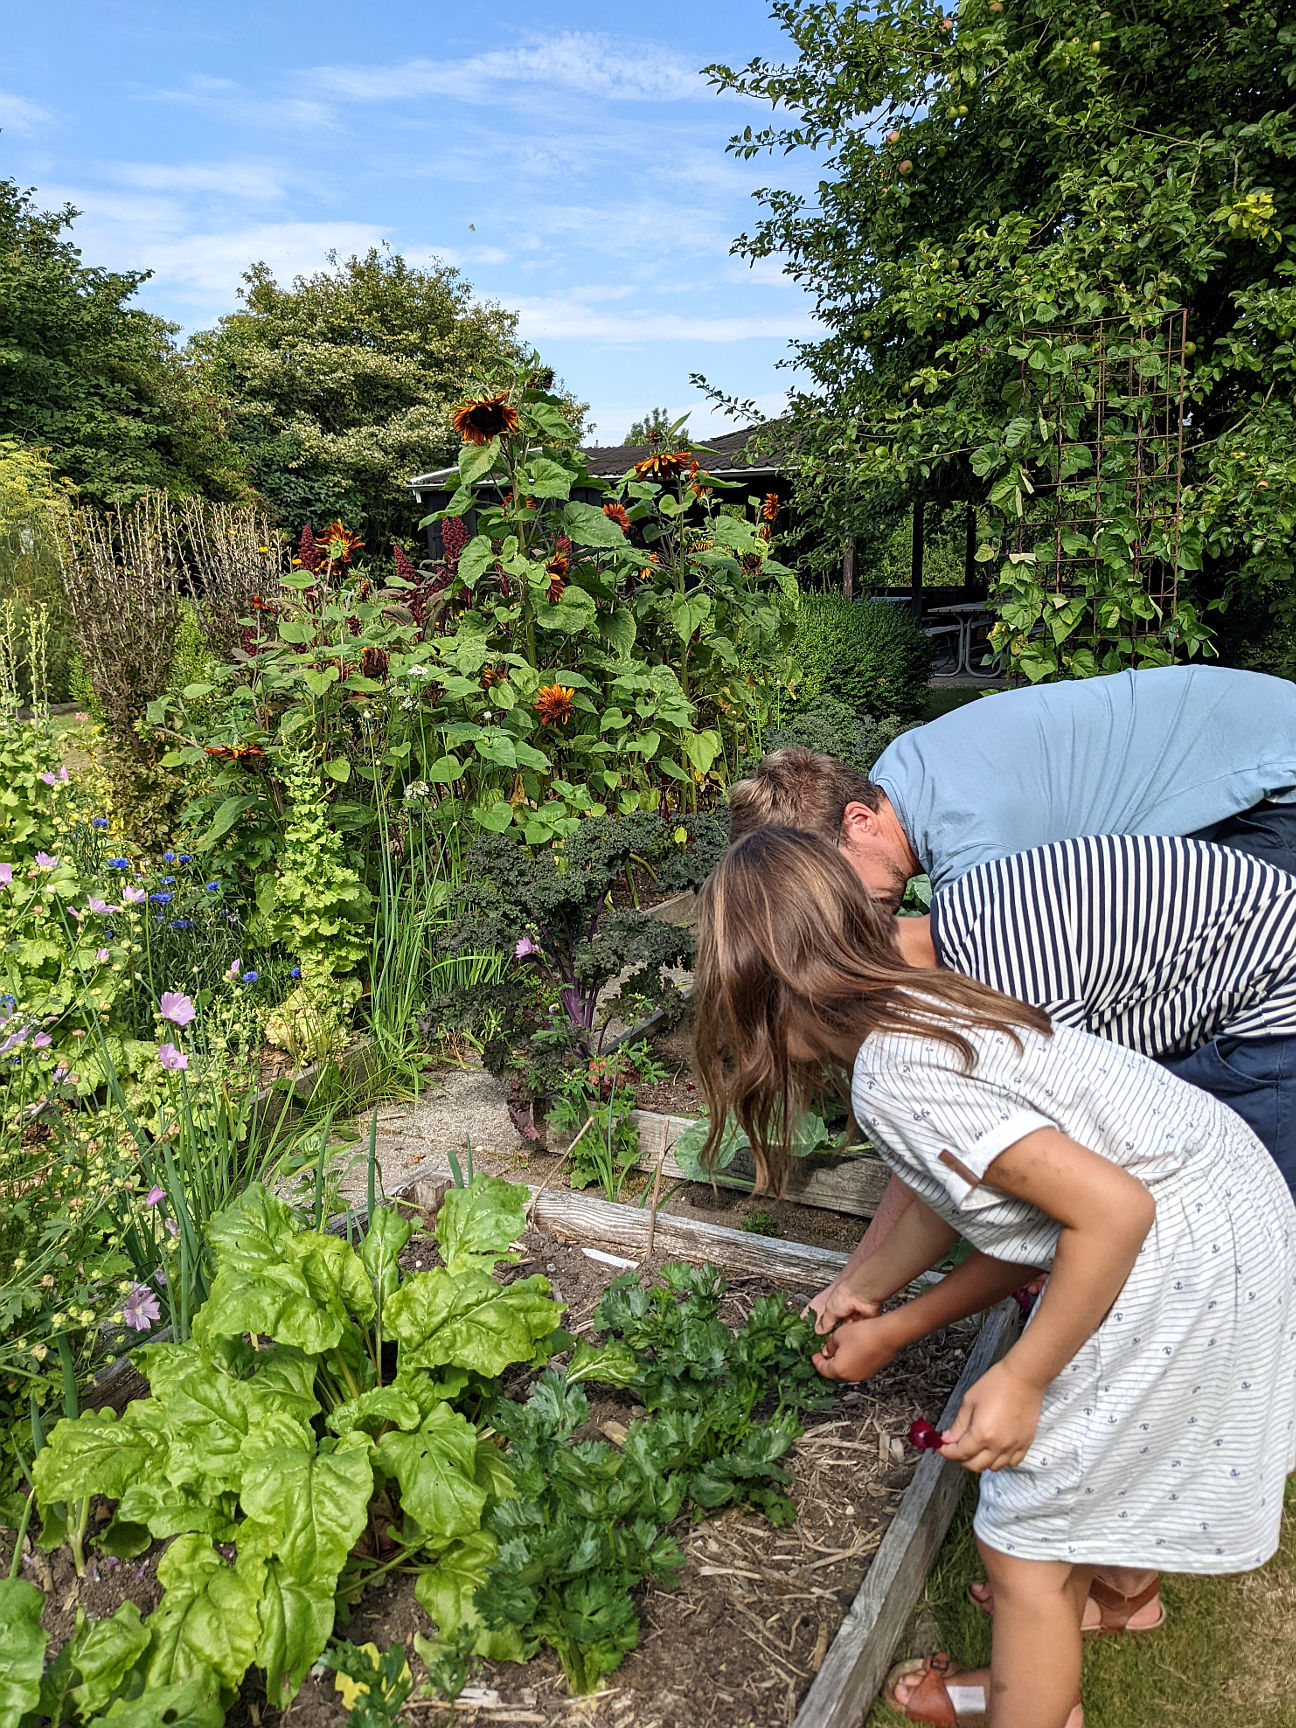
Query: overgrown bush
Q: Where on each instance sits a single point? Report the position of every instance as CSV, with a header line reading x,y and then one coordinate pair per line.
x,y
869,655
828,726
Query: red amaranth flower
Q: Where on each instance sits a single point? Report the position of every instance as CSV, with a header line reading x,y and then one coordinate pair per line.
x,y
404,569
454,537
309,555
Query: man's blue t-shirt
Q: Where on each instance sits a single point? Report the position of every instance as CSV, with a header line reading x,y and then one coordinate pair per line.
x,y
1164,751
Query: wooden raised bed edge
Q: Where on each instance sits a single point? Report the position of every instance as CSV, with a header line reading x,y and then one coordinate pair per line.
x,y
852,1183
852,1672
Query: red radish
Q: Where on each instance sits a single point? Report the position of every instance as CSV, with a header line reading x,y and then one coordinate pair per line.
x,y
924,1437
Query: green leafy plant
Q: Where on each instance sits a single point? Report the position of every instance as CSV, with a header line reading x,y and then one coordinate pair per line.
x,y
313,1422
868,655
373,1686
589,1520
809,1135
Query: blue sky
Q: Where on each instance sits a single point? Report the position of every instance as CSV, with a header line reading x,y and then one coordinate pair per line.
x,y
568,158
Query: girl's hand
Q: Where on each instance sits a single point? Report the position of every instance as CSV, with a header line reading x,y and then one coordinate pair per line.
x,y
858,1349
996,1421
839,1302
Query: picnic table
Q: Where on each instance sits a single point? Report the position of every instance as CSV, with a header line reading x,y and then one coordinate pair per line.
x,y
967,617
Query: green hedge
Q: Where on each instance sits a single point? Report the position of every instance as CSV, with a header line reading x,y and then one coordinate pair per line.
x,y
867,654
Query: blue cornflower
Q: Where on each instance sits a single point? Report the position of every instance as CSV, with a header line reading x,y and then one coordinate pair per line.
x,y
182,923
109,934
185,858
9,1001
98,821
250,977
296,972
162,899
168,857
167,881
213,887
119,863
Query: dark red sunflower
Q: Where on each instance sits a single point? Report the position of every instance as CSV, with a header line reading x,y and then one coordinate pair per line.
x,y
666,465
491,675
486,418
554,704
617,513
374,662
770,508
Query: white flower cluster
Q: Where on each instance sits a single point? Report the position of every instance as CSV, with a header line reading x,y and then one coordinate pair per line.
x,y
416,789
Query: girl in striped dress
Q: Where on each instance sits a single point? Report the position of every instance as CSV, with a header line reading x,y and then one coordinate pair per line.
x,y
1146,1416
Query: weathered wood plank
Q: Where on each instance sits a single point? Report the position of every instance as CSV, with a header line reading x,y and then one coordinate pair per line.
x,y
852,1184
852,1673
610,1224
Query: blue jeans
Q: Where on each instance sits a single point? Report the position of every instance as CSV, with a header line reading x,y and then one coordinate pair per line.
x,y
1266,831
1257,1078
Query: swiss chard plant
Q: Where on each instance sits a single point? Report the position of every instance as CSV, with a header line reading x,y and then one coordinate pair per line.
x,y
314,1433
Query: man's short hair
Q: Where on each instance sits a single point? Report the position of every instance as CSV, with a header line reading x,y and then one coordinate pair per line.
x,y
798,788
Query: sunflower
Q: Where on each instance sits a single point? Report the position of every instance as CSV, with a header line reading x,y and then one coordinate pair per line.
x,y
617,513
338,543
556,570
486,418
666,465
374,663
556,590
554,705
770,508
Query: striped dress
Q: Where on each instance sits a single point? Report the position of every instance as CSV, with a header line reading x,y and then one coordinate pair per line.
x,y
1159,944
1166,1441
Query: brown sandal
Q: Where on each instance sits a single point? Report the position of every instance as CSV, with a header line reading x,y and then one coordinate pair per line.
x,y
1115,1611
930,1700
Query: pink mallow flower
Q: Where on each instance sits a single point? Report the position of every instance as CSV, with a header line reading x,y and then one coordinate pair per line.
x,y
49,779
140,1310
172,1059
133,896
525,946
42,1041
235,967
100,906
45,861
154,1195
101,954
176,1007
6,875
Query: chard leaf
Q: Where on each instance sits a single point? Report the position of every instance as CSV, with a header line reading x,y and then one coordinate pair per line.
x,y
164,1509
104,1652
307,1510
470,1321
493,1472
375,1409
211,1418
192,1703
207,1622
436,1469
250,1232
445,1591
92,1454
613,1364
476,1224
22,1649
296,1620
428,1390
290,1374
380,1251
334,1274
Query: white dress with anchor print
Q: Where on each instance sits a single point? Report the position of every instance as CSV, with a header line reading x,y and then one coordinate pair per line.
x,y
1166,1441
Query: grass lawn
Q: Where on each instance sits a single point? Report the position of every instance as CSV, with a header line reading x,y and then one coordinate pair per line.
x,y
1225,1658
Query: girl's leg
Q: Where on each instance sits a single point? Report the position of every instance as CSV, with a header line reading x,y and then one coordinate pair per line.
x,y
1035,1654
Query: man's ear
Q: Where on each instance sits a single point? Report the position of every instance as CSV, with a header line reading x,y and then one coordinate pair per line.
x,y
858,823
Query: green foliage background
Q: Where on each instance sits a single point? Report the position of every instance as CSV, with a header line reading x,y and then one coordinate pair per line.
x,y
1023,164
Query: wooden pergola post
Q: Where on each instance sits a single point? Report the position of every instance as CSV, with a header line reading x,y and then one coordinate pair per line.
x,y
916,560
848,567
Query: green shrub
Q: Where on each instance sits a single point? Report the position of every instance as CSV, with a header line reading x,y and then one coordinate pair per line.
x,y
828,726
867,654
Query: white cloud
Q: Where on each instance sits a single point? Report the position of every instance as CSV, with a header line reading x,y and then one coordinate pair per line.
x,y
20,116
561,318
213,263
611,421
248,181
579,61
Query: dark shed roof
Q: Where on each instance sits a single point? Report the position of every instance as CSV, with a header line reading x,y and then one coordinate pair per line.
x,y
610,461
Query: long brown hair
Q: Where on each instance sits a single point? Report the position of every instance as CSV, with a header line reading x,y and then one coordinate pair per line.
x,y
790,943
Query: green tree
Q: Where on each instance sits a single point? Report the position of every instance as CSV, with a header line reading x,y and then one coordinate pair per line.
x,y
1028,165
654,428
344,385
95,382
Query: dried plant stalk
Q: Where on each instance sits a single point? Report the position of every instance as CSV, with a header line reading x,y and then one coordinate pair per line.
x,y
231,554
122,580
